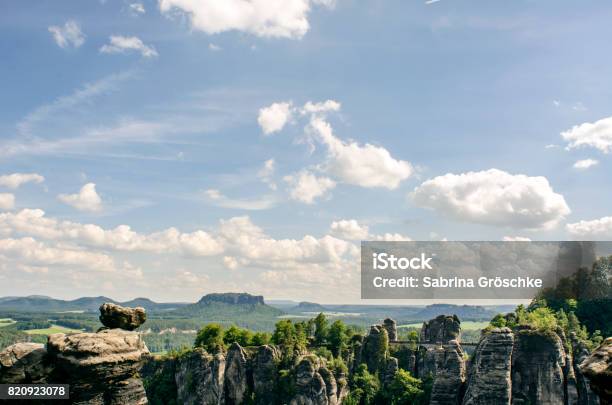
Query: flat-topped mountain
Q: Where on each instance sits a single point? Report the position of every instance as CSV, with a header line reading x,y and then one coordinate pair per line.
x,y
232,299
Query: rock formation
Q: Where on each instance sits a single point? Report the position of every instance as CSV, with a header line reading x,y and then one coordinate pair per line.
x,y
236,375
490,382
580,352
101,368
24,363
373,350
115,316
598,369
442,329
310,386
265,372
450,375
200,378
391,328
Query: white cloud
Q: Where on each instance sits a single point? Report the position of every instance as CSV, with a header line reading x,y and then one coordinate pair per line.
x,y
266,172
69,35
215,197
306,187
516,239
362,165
493,197
28,251
349,229
274,117
7,201
596,135
15,180
596,229
390,237
137,8
264,18
322,107
121,44
585,164
214,47
87,199
33,222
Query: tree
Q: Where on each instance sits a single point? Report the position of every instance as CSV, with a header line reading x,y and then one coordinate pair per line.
x,y
210,338
260,338
404,389
284,333
241,336
364,386
498,321
337,337
321,326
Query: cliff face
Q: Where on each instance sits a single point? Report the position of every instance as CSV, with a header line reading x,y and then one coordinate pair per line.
x,y
598,369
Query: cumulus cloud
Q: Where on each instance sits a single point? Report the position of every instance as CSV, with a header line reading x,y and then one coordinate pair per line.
x,y
33,222
516,239
215,197
214,47
362,165
7,201
306,187
597,229
29,251
15,180
137,8
87,199
349,229
121,44
493,197
264,18
596,135
585,164
273,118
321,107
69,35
266,172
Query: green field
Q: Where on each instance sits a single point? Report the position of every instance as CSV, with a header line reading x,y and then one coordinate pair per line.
x,y
51,330
6,322
465,325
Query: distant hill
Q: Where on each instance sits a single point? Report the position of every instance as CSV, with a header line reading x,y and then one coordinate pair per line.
x,y
464,312
306,306
38,303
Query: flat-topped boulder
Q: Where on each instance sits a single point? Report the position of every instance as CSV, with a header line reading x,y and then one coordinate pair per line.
x,y
115,316
24,363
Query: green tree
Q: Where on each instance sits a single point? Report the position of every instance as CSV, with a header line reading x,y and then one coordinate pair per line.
x,y
337,338
498,321
404,389
241,336
210,338
364,386
321,325
261,338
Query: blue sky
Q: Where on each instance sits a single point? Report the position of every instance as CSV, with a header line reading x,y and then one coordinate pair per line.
x,y
464,120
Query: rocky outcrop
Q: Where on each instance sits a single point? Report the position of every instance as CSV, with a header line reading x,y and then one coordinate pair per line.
x,y
391,327
265,374
442,329
537,368
450,375
580,352
101,366
598,369
373,350
310,386
24,363
236,383
115,316
331,386
200,378
490,381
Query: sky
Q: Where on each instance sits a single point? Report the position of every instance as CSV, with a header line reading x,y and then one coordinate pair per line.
x,y
174,148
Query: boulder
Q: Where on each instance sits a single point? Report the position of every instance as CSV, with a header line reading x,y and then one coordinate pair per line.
x,y
115,316
199,378
24,363
100,367
441,329
489,382
598,369
236,375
